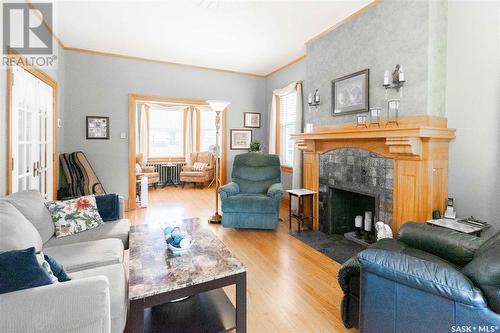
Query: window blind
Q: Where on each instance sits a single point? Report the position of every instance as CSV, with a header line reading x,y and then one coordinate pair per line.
x,y
288,116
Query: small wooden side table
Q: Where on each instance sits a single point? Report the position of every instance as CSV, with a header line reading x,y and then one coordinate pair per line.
x,y
303,213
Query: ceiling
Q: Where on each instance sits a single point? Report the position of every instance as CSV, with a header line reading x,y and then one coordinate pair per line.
x,y
246,36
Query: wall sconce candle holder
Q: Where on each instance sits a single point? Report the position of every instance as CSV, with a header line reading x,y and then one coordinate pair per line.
x,y
314,99
398,80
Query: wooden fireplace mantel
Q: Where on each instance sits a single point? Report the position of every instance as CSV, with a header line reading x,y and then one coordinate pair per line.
x,y
419,148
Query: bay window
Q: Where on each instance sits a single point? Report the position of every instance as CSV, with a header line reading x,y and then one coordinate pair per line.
x,y
166,133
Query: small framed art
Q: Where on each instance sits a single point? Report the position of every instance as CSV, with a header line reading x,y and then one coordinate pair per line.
x,y
241,139
97,128
252,120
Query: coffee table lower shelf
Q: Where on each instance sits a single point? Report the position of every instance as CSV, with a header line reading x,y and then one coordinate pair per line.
x,y
211,311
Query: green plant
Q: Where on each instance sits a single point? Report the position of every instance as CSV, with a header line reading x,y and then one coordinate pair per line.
x,y
255,147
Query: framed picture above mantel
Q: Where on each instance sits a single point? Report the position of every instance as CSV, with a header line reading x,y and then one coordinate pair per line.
x,y
350,93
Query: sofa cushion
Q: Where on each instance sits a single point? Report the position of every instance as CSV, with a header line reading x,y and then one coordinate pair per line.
x,y
32,205
20,269
351,268
86,255
249,203
114,229
484,271
117,291
74,216
16,232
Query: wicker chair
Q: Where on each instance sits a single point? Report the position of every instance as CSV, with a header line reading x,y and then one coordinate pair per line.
x,y
141,169
205,176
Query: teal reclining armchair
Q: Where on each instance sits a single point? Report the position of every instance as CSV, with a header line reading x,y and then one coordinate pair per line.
x,y
252,199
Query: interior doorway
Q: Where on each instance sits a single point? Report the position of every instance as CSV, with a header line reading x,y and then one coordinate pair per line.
x,y
165,134
32,162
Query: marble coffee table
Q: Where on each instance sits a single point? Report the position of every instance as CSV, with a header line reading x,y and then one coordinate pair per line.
x,y
157,277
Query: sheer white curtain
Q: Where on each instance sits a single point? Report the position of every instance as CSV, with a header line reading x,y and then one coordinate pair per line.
x,y
190,138
297,153
272,123
143,133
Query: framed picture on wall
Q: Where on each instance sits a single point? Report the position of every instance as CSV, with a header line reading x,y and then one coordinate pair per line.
x,y
350,93
251,120
241,139
97,128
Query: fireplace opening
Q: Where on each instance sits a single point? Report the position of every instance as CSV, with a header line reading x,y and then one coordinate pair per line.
x,y
345,205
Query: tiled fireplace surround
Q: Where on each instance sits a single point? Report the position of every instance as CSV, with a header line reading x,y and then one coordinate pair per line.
x,y
359,171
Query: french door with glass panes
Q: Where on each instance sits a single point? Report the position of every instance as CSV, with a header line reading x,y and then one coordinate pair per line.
x,y
31,133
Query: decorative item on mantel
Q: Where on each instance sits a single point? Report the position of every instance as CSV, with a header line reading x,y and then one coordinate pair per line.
x,y
375,115
314,99
361,121
309,128
398,80
393,111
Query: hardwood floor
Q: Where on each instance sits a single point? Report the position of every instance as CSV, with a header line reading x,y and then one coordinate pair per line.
x,y
291,286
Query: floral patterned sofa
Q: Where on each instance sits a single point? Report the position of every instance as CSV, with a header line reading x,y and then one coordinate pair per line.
x,y
96,298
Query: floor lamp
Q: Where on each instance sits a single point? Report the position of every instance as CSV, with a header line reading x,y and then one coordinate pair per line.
x,y
218,107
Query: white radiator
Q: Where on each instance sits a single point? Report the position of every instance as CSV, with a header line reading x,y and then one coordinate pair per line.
x,y
172,173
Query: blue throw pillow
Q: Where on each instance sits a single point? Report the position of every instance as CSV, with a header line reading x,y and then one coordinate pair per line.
x,y
57,269
19,269
108,206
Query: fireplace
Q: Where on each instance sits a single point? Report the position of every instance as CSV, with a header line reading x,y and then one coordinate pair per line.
x,y
352,181
415,153
344,206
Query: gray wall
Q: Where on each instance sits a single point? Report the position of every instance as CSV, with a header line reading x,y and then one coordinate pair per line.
x,y
473,108
281,79
99,85
392,32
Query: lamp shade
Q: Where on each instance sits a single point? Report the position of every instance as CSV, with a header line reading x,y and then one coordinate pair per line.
x,y
218,105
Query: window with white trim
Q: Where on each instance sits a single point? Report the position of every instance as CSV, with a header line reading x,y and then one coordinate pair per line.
x,y
287,119
166,133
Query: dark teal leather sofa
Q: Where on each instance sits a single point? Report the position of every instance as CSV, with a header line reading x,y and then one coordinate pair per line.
x,y
252,199
429,279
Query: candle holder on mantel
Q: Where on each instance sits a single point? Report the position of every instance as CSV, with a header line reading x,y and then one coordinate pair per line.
x,y
375,115
361,121
393,111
